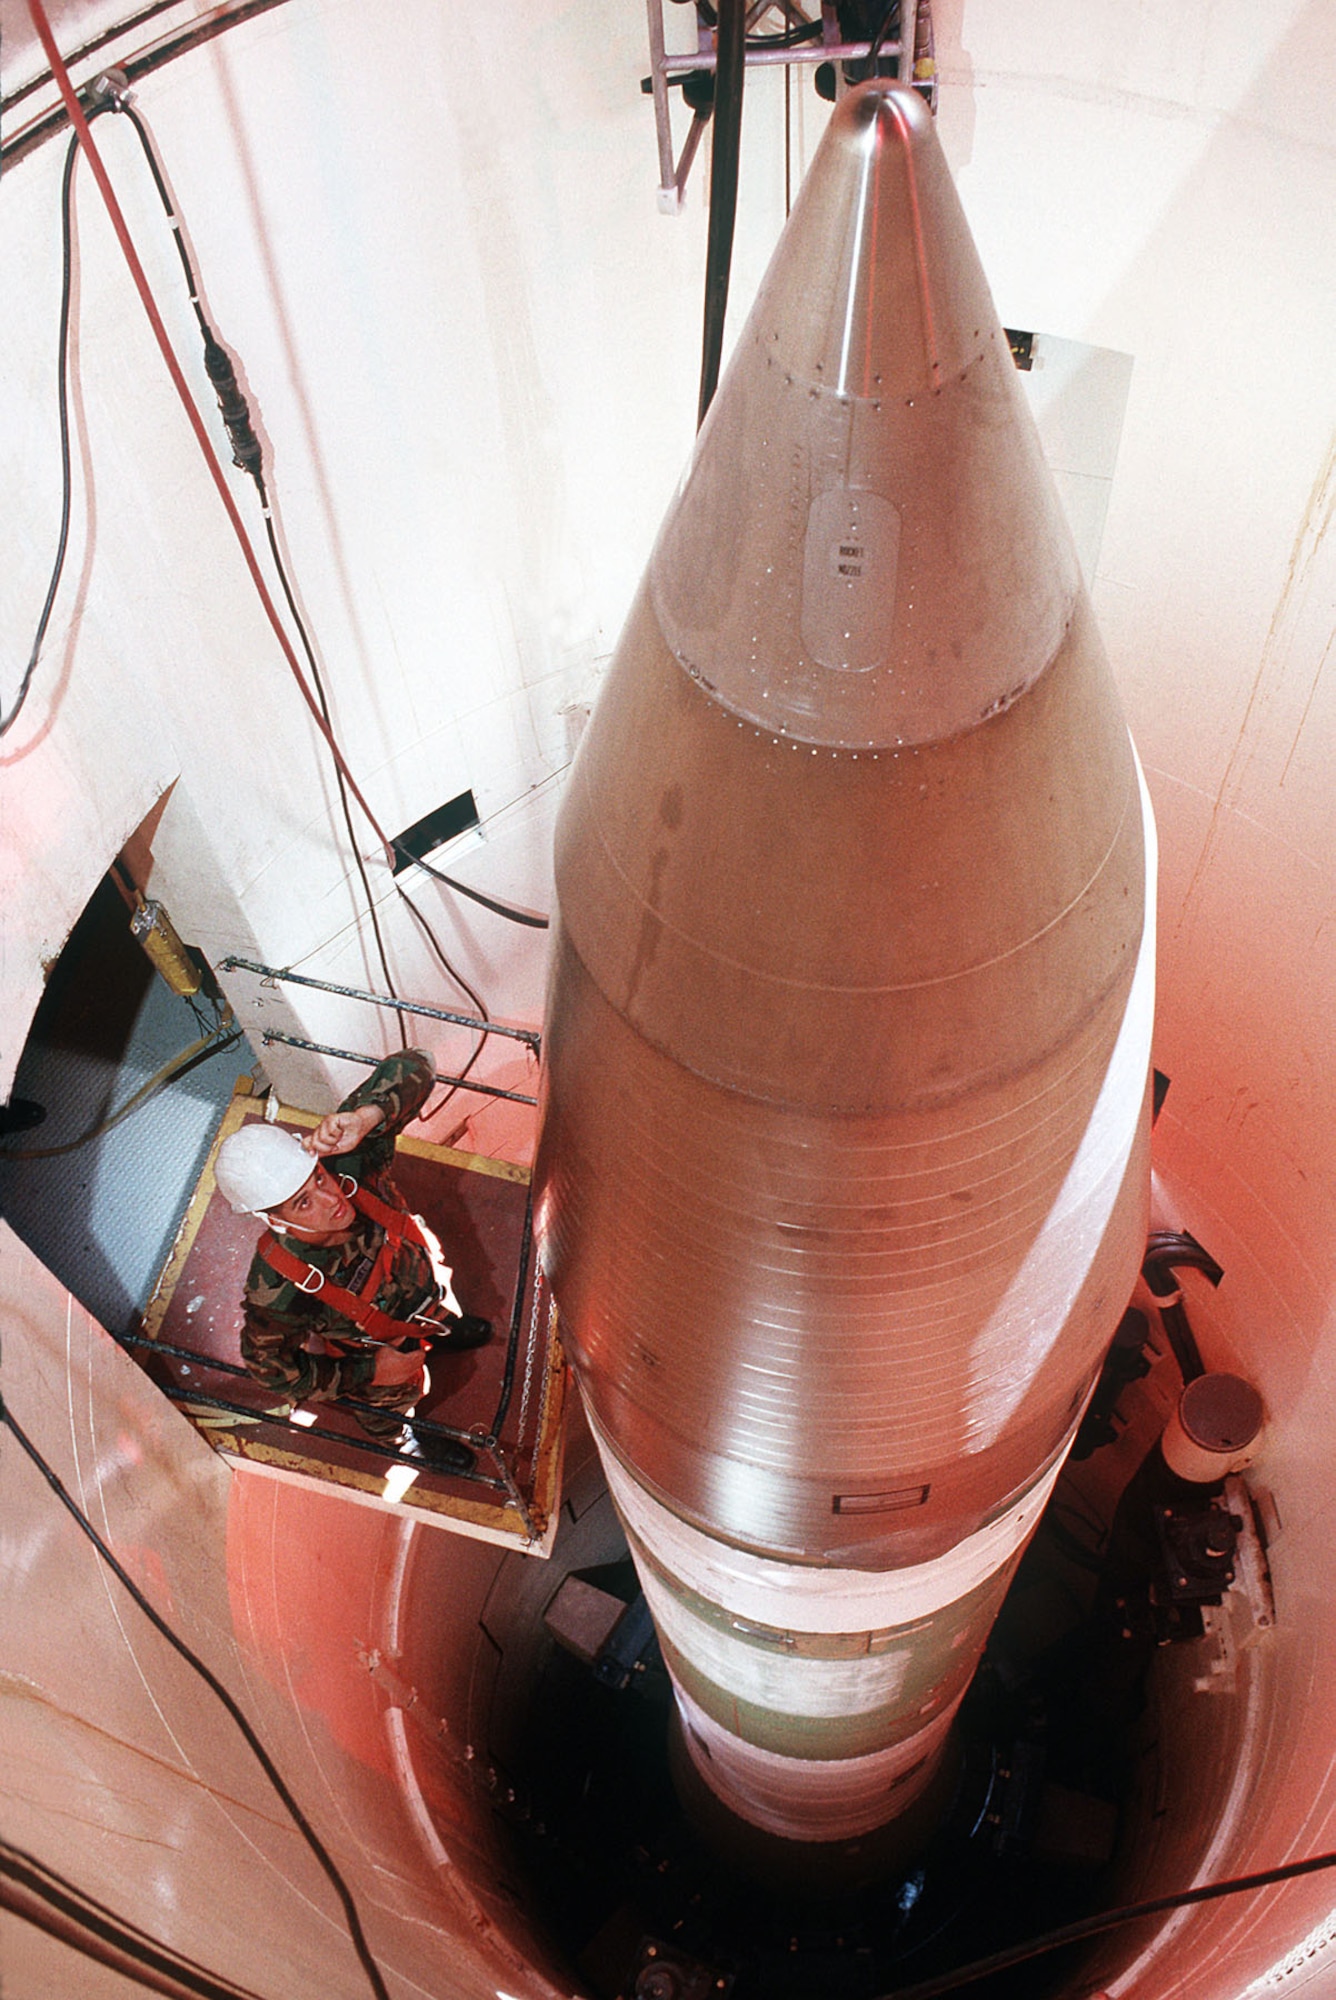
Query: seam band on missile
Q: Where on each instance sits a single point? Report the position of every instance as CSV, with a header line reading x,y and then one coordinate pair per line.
x,y
838,1645
788,1795
804,1596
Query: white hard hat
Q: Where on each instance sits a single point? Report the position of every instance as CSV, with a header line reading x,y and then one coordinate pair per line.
x,y
261,1166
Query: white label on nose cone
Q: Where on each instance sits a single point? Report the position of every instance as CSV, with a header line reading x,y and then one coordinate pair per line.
x,y
849,571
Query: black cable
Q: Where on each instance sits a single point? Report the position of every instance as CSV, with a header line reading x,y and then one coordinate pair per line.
x,y
1178,1250
1169,1250
1070,1505
192,1002
39,1895
1089,1927
215,1686
127,110
193,1401
511,911
318,683
247,451
462,984
63,405
452,970
248,456
212,1043
729,77
516,1319
893,7
1071,1545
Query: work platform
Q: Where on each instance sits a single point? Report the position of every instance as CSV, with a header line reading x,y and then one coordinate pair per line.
x,y
504,1399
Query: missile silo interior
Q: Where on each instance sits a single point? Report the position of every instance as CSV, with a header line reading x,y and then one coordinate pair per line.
x,y
429,237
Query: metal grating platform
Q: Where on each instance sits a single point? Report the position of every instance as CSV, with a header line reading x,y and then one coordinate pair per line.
x,y
102,1216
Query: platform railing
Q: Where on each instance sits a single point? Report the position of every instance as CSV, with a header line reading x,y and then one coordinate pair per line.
x,y
501,1479
273,975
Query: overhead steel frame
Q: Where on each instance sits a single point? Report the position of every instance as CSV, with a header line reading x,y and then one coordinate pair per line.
x,y
825,45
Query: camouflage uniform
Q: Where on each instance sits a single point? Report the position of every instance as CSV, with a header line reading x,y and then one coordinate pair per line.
x,y
280,1319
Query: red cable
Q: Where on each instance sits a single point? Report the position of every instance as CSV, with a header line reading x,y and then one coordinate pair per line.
x,y
219,477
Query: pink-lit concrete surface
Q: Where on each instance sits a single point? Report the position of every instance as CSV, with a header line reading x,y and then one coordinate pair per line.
x,y
313,1611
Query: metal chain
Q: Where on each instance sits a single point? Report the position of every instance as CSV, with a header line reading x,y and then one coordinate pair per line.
x,y
529,1356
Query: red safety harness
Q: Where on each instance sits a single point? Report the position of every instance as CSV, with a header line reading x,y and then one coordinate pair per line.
x,y
359,1306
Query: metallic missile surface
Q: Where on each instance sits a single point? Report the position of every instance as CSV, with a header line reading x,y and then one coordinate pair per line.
x,y
843,1176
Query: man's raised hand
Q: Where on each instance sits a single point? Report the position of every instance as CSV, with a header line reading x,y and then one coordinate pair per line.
x,y
343,1131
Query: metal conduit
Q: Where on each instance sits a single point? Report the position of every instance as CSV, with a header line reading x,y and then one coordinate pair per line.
x,y
275,974
797,53
352,1055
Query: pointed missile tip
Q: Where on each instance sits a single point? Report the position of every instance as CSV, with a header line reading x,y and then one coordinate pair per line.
x,y
879,246
883,109
865,554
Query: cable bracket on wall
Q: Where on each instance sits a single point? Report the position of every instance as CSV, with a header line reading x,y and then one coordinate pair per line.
x,y
803,34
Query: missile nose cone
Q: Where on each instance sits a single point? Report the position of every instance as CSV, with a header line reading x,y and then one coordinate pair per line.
x,y
866,552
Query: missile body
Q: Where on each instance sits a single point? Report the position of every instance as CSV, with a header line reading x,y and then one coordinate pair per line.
x,y
842,1182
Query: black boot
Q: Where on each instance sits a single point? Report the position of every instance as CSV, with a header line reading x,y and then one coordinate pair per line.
x,y
463,1330
436,1453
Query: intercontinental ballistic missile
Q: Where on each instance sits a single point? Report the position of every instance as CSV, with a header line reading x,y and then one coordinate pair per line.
x,y
843,1176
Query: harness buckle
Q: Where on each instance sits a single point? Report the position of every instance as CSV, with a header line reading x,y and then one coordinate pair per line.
x,y
311,1289
348,1186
